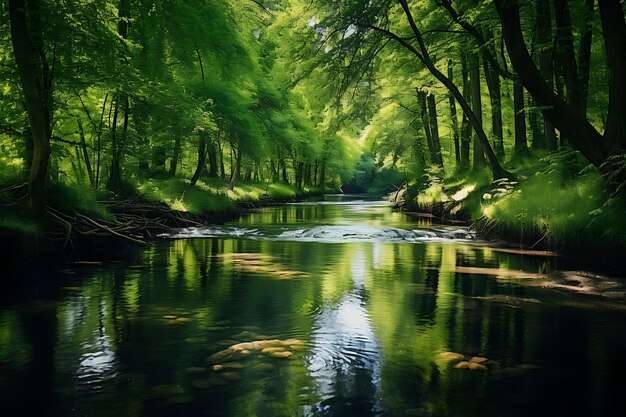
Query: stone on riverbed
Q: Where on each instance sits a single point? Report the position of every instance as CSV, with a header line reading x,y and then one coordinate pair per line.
x,y
284,355
451,356
271,350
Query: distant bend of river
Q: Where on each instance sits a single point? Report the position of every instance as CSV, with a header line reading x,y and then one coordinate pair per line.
x,y
334,308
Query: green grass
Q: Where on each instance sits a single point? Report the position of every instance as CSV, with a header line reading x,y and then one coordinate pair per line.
x,y
568,212
211,196
182,196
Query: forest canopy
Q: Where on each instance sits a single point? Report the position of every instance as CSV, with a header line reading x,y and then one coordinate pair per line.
x,y
145,96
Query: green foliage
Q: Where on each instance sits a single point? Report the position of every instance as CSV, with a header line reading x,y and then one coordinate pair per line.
x,y
568,212
76,198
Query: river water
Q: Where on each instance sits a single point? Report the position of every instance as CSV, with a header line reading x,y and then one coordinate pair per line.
x,y
335,308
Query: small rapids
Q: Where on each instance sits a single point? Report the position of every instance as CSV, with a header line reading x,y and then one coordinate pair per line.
x,y
328,234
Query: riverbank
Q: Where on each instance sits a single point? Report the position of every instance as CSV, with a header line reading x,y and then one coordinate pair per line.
x,y
79,222
561,207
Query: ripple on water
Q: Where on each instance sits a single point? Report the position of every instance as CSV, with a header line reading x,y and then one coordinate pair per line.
x,y
329,234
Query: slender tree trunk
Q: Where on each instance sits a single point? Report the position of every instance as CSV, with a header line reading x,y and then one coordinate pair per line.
x,y
434,130
307,173
495,96
220,148
35,81
322,183
546,64
212,151
584,55
175,156
424,57
538,139
421,100
455,123
83,146
202,151
477,108
113,130
235,175
581,134
614,33
99,140
299,174
284,172
520,119
466,128
565,42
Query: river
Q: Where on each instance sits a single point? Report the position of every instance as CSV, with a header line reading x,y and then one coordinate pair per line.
x,y
335,308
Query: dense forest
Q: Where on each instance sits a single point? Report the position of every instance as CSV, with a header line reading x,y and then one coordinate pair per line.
x,y
512,113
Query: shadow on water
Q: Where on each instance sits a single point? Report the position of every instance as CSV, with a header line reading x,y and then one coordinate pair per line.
x,y
370,314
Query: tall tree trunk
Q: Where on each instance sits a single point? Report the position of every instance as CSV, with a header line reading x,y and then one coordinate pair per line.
x,y
567,59
175,156
520,119
220,149
117,151
537,137
584,55
466,128
212,151
322,180
477,108
421,100
581,134
455,122
237,170
495,96
201,158
83,146
614,33
423,55
307,173
299,174
434,130
546,63
36,87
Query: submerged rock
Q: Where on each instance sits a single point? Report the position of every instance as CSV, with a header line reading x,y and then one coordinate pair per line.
x,y
227,365
286,354
451,356
476,366
271,350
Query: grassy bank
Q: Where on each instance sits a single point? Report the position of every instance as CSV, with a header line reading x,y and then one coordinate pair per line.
x,y
558,203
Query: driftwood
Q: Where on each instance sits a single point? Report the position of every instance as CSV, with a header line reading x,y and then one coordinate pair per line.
x,y
134,220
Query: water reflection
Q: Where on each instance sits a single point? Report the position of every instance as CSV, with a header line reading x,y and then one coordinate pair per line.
x,y
374,317
345,357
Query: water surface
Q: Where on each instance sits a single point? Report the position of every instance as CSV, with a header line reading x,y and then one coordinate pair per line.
x,y
366,302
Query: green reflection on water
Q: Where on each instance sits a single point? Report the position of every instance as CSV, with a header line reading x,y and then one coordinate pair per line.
x,y
133,338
